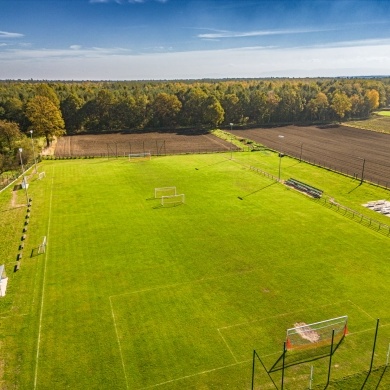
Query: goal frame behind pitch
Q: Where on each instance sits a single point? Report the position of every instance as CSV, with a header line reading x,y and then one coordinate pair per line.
x,y
139,156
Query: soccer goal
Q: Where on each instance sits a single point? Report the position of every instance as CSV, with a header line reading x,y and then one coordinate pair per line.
x,y
42,245
3,281
172,200
305,335
41,175
139,156
164,191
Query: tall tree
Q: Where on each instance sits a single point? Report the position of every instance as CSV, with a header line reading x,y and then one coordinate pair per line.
x,y
46,119
341,104
373,98
165,108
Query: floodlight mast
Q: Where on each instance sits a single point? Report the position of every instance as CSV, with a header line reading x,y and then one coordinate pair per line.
x,y
24,177
32,143
280,155
231,149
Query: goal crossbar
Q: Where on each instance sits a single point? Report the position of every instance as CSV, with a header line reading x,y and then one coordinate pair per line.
x,y
303,334
159,192
138,156
173,199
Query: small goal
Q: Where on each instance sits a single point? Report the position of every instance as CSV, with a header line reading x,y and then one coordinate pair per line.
x,y
304,335
173,200
139,156
164,191
41,175
42,245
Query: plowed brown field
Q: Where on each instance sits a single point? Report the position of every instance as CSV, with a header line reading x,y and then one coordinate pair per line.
x,y
345,149
121,144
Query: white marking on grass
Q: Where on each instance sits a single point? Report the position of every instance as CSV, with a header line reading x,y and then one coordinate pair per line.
x,y
353,303
43,285
223,338
277,316
14,315
186,283
119,344
193,375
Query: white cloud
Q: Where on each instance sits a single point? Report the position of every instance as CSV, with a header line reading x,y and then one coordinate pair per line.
x,y
357,59
239,34
75,47
5,34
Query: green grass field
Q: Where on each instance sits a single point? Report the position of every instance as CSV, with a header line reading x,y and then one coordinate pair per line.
x,y
132,295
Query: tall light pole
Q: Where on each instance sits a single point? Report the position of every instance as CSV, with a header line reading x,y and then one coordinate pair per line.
x,y
231,141
32,143
24,177
280,155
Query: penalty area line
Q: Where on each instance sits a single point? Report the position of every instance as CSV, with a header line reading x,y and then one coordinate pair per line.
x,y
43,285
193,375
119,344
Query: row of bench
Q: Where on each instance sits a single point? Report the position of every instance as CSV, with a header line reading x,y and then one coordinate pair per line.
x,y
312,191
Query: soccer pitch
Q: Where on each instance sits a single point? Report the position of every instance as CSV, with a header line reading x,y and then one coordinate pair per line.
x,y
133,295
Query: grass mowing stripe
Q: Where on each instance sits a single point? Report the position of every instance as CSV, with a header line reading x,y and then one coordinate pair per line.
x,y
119,344
43,282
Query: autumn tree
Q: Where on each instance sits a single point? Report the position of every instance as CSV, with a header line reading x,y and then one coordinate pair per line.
x,y
45,118
213,113
70,112
341,104
10,138
373,99
165,109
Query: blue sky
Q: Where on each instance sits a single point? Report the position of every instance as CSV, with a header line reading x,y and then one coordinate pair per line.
x,y
193,39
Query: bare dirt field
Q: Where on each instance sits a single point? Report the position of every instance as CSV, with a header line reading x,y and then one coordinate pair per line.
x,y
345,149
356,152
156,143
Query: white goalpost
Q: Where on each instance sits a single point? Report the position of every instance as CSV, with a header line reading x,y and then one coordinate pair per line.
x,y
304,335
164,191
42,245
139,156
173,200
41,175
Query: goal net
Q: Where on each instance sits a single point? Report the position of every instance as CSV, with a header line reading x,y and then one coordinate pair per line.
x,y
139,156
304,335
173,200
164,191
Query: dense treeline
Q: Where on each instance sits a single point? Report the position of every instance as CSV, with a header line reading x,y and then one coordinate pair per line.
x,y
52,109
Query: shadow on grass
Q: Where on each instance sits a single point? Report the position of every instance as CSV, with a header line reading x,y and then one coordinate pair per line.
x,y
254,192
35,252
355,188
210,165
167,206
307,355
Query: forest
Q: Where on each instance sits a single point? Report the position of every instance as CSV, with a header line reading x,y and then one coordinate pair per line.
x,y
35,112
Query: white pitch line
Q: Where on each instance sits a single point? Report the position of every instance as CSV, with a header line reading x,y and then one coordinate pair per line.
x,y
353,303
228,347
43,285
193,375
119,344
162,287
